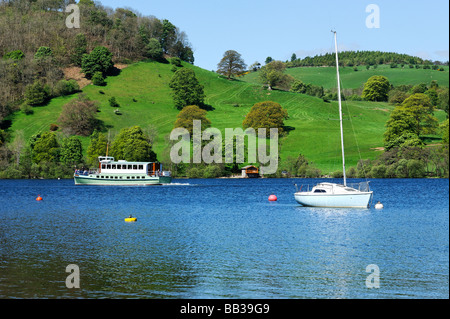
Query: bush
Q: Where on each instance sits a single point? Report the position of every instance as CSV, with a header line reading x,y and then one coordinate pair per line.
x,y
37,94
397,97
416,168
26,109
63,88
99,60
354,97
98,79
43,52
298,86
378,171
154,50
194,172
14,55
113,102
212,171
351,172
337,174
53,127
176,61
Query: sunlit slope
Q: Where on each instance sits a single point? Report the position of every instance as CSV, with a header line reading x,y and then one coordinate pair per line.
x,y
143,93
351,79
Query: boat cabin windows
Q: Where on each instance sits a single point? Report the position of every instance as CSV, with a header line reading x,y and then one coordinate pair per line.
x,y
122,168
320,191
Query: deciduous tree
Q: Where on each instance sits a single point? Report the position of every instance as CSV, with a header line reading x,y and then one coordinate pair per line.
x,y
46,148
231,64
99,60
154,50
266,115
97,147
190,113
71,151
273,75
376,88
186,89
132,145
37,93
78,117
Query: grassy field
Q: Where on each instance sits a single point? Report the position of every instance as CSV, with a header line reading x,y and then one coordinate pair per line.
x,y
326,76
144,95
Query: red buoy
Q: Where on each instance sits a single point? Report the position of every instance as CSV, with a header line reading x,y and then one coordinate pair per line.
x,y
39,198
273,198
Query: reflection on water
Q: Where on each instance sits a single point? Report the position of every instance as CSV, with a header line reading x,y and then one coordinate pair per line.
x,y
220,239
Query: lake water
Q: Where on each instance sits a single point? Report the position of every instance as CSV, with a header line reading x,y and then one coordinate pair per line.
x,y
221,238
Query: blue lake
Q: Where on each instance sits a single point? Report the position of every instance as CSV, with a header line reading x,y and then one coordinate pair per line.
x,y
221,238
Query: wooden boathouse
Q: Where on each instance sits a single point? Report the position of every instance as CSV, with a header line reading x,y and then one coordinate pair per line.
x,y
250,171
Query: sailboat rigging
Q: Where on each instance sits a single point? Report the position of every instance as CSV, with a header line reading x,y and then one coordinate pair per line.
x,y
331,194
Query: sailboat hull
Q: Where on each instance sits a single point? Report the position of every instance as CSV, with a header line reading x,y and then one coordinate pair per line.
x,y
354,200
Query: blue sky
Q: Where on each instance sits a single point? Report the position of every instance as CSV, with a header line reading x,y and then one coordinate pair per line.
x,y
277,28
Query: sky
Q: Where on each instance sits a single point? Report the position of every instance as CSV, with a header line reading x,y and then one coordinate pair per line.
x,y
278,28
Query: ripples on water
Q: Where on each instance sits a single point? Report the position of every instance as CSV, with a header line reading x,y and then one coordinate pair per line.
x,y
220,239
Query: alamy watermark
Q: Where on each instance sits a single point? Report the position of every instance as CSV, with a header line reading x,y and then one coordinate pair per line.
x,y
373,19
213,151
73,19
373,280
73,280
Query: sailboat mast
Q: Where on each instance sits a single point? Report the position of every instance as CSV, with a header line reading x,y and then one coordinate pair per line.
x,y
340,108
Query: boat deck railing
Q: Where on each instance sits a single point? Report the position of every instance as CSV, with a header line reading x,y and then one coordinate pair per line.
x,y
361,186
80,172
85,172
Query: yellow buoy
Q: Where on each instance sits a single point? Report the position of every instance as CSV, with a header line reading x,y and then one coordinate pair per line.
x,y
130,219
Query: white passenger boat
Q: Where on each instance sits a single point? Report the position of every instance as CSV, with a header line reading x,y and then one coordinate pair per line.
x,y
121,173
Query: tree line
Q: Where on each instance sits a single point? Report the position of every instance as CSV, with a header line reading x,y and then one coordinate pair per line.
x,y
355,58
53,155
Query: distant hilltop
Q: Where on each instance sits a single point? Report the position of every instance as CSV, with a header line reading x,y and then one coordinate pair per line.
x,y
355,58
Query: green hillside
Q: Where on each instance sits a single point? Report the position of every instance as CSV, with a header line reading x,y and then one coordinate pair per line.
x,y
144,95
351,79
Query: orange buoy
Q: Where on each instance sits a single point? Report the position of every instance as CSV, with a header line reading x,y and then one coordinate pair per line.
x,y
39,198
273,198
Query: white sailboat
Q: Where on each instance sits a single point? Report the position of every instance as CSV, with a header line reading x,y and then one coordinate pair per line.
x,y
331,194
